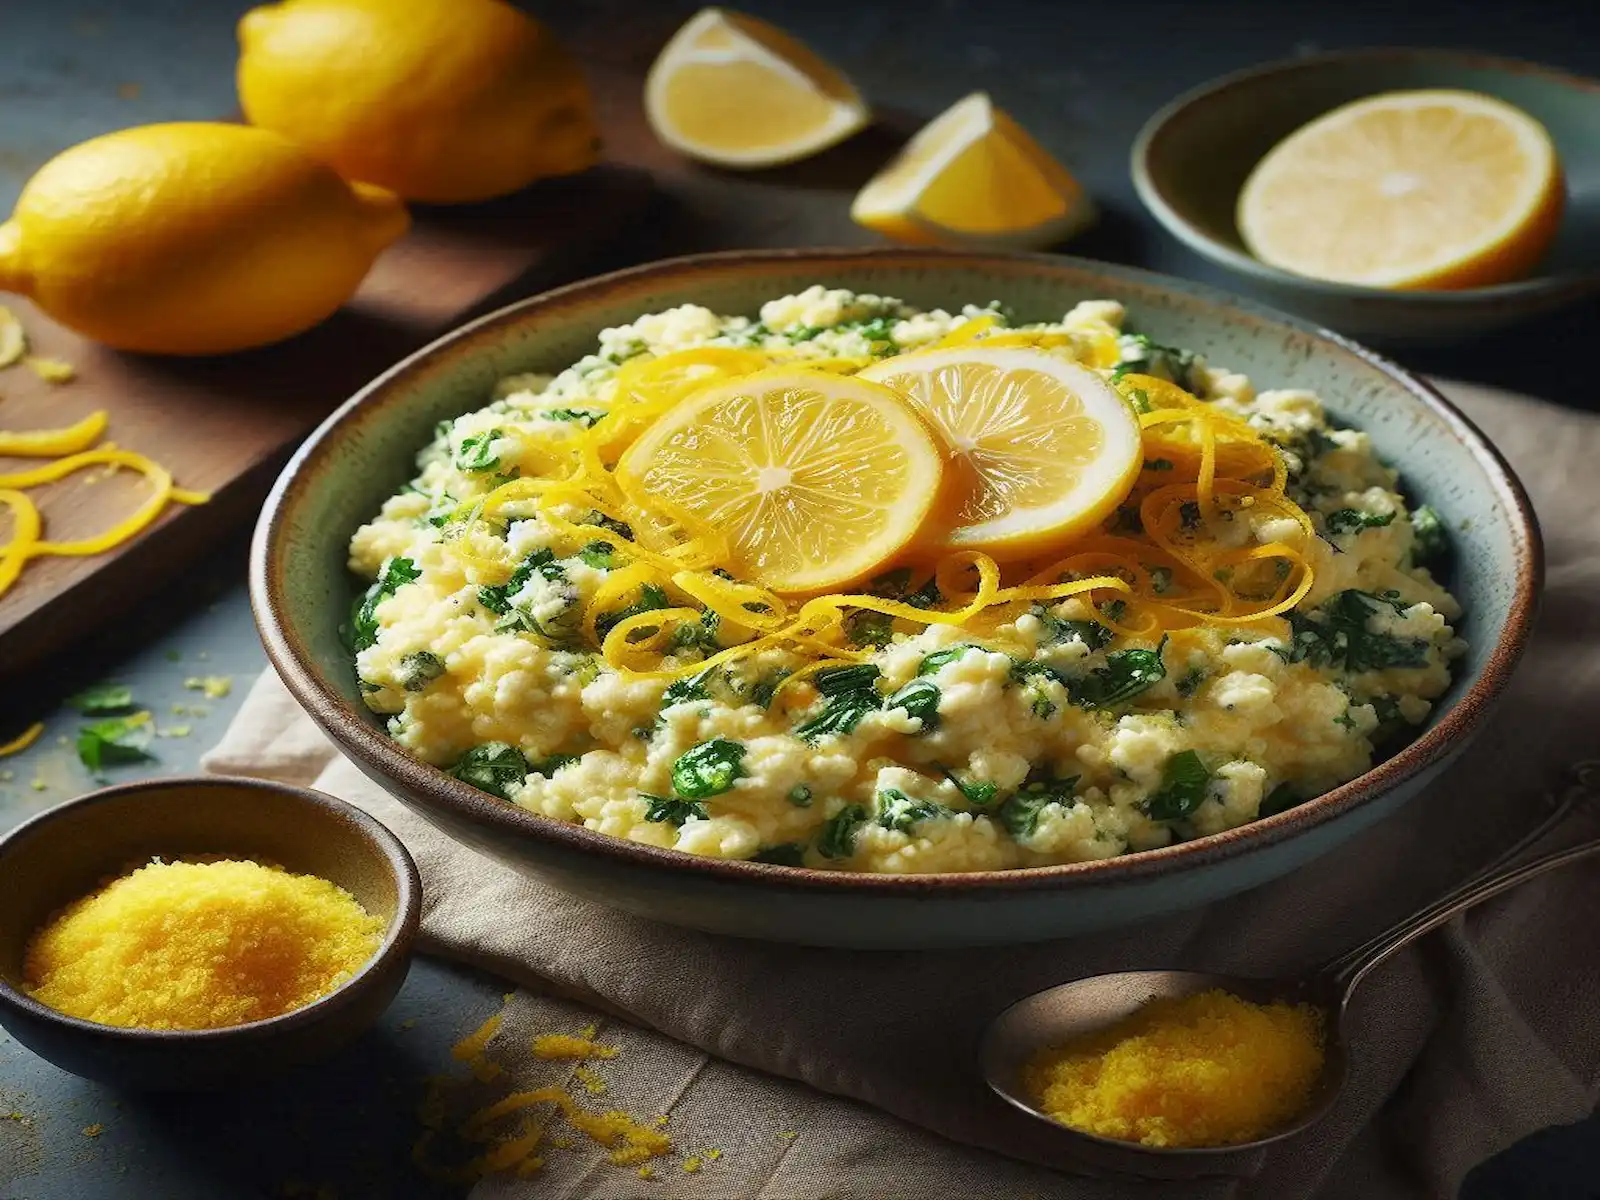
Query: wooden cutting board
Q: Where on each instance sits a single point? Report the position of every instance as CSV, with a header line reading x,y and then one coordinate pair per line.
x,y
226,424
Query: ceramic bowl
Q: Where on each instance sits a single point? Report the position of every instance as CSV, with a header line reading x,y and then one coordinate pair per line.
x,y
366,451
1192,158
66,853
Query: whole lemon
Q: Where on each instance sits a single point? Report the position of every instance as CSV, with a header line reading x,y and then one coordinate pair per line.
x,y
445,101
192,238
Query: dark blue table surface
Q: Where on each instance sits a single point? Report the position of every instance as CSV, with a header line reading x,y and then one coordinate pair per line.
x,y
1081,77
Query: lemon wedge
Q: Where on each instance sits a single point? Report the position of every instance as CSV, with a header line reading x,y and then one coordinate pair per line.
x,y
973,176
738,92
1424,189
1042,449
815,479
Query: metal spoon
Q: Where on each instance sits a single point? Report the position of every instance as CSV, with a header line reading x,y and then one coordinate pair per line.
x,y
1060,1014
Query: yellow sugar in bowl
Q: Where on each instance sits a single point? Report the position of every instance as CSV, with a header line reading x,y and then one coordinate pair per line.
x,y
200,932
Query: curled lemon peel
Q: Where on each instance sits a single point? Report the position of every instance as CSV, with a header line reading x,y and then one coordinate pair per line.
x,y
1203,468
50,443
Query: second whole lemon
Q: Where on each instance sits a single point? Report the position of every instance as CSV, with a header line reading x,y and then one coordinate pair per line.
x,y
443,101
192,238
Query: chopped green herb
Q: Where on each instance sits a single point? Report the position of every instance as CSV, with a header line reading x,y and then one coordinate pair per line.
x,y
1431,541
786,854
762,691
920,699
1184,781
115,740
1189,515
1191,681
868,628
103,698
493,767
1043,707
396,572
800,796
1353,520
977,792
708,769
850,694
418,670
1091,633
602,556
498,600
549,766
584,416
804,333
476,453
1141,356
665,810
601,521
1160,579
1158,464
898,811
698,635
1337,634
652,598
441,510
684,691
838,836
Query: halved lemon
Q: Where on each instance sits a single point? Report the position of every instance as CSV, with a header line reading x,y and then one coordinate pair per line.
x,y
736,91
1044,449
973,176
1424,189
815,479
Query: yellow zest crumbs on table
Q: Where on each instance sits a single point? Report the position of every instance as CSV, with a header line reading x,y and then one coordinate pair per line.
x,y
1204,1070
199,945
23,740
470,1049
562,1045
215,687
71,449
93,1131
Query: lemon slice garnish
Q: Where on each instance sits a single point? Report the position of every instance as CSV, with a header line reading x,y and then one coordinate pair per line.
x,y
814,479
736,91
1042,448
1425,189
974,176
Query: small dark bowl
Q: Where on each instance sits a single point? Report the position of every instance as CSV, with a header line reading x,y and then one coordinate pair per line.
x,y
1191,159
66,853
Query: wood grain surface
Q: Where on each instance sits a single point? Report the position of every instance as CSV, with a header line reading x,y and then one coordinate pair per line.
x,y
226,424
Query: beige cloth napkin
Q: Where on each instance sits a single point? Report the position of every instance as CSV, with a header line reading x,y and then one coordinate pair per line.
x,y
1466,1042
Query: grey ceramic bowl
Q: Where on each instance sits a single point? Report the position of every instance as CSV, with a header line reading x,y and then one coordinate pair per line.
x,y
1192,157
366,450
67,852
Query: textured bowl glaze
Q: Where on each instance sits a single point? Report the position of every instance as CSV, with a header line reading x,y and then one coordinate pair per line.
x,y
64,854
1192,157
302,592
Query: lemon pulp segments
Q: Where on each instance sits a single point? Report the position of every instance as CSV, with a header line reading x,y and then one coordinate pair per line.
x,y
814,479
737,91
1043,447
1425,189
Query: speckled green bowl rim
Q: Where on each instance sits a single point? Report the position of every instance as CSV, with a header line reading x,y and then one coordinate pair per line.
x,y
358,738
1146,146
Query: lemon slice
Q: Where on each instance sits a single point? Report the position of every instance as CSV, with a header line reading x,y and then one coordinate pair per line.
x,y
739,92
815,479
1042,448
973,176
1426,189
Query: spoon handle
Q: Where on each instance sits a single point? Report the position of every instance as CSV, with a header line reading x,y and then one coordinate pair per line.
x,y
1348,972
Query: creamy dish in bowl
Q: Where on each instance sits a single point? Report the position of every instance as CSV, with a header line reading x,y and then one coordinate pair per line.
x,y
1253,617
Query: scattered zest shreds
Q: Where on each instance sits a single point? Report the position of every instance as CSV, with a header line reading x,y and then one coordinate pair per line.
x,y
13,340
22,741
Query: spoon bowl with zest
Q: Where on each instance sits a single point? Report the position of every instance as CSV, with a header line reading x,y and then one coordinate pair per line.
x,y
1071,1011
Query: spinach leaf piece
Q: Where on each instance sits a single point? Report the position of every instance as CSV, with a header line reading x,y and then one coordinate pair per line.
x,y
708,769
1353,520
762,691
396,572
1125,675
498,600
849,695
920,699
978,792
1183,787
1021,811
785,854
1280,799
838,836
103,699
896,810
116,740
549,766
1058,629
1337,634
670,811
419,669
868,628
602,556
493,767
933,663
1431,544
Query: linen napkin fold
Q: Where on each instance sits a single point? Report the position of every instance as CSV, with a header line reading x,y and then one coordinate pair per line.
x,y
1464,1043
